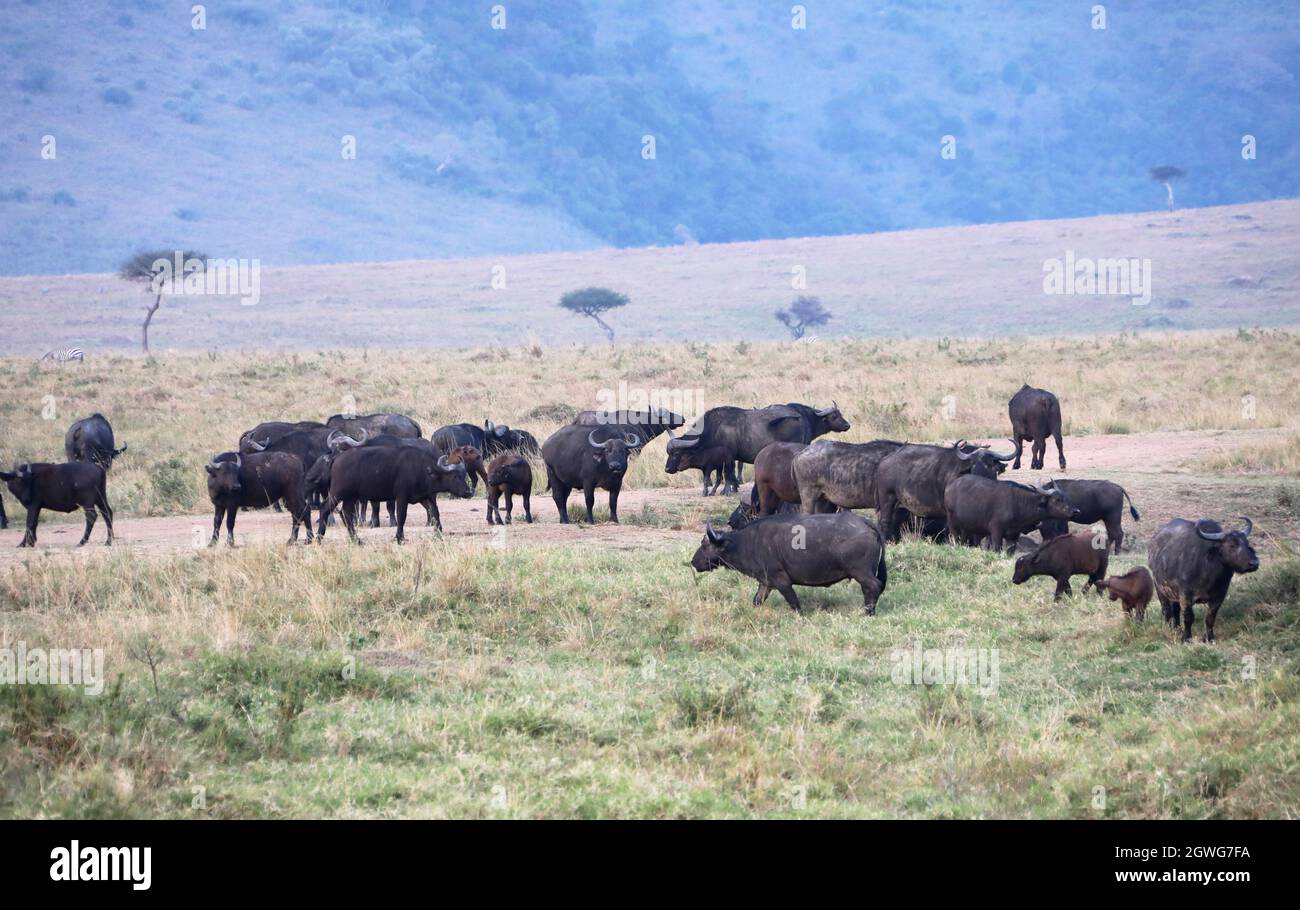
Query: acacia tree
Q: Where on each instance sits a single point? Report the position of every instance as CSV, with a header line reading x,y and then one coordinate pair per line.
x,y
591,302
802,315
143,267
1167,174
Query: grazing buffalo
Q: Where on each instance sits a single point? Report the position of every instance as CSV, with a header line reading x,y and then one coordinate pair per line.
x,y
1193,563
509,475
711,461
994,512
398,425
1073,554
254,482
61,488
1134,588
404,474
647,424
913,478
1096,500
578,457
747,430
266,433
774,480
91,439
1035,415
812,550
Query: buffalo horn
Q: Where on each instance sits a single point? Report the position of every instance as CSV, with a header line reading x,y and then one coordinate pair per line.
x,y
1250,526
1208,535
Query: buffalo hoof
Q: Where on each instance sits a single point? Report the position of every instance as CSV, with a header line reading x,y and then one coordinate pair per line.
x,y
871,611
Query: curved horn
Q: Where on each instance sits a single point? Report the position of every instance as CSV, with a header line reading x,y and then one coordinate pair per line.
x,y
239,462
444,464
365,434
1250,525
1208,535
632,440
488,425
1007,457
712,535
212,462
965,456
332,440
591,440
686,441
258,446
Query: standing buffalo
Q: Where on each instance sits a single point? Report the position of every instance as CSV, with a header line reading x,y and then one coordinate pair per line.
x,y
914,477
466,455
1095,500
398,425
403,474
509,475
91,439
711,462
254,482
747,430
1035,415
831,474
306,445
61,488
1073,554
774,480
1193,563
983,509
647,424
813,550
576,456
492,439
266,433
1134,588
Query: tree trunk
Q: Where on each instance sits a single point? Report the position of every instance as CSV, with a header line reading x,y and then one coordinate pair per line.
x,y
148,318
1169,188
609,333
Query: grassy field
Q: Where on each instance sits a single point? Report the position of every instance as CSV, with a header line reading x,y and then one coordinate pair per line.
x,y
588,671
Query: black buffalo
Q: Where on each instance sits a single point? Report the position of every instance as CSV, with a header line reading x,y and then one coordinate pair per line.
x,y
997,512
1035,415
580,457
266,433
398,425
507,476
1096,500
1193,563
91,439
747,510
647,424
492,439
713,462
913,479
403,474
254,482
306,445
745,431
61,488
387,439
812,550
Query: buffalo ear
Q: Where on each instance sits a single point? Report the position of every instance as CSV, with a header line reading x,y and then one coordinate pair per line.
x,y
7,476
211,470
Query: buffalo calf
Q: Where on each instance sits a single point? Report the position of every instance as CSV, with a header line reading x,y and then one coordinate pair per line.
x,y
710,461
1061,557
60,488
1134,588
507,476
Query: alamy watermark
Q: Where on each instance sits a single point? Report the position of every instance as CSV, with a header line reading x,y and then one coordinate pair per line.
x,y
23,666
635,405
1085,277
179,276
975,667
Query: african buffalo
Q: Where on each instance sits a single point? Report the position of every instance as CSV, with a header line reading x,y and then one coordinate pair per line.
x,y
1193,563
1035,415
711,461
747,430
404,474
91,439
829,474
774,480
254,482
60,488
1134,588
577,456
1073,554
398,425
509,475
491,440
812,550
266,433
914,477
1096,500
746,511
647,424
994,512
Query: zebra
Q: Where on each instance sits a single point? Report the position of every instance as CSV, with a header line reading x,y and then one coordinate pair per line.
x,y
76,354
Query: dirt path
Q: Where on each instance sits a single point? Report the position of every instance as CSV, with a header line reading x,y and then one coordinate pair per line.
x,y
466,519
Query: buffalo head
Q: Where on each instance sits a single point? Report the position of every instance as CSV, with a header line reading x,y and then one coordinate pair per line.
x,y
710,553
834,419
223,476
981,460
454,477
613,451
21,483
1232,548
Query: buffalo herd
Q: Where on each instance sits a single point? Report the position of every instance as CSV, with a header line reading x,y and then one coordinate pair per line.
x,y
796,527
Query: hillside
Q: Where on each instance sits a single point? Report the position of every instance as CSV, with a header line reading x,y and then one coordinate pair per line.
x,y
1211,268
473,140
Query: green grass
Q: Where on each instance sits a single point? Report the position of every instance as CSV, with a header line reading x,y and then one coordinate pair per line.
x,y
577,681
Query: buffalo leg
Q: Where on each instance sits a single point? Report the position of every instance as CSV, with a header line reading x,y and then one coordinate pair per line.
x,y
108,518
560,494
589,496
4,519
1060,452
1189,617
401,519
437,518
275,506
1063,587
216,525
761,594
390,513
613,501
787,591
90,523
510,507
886,508
1115,534
428,512
33,514
374,514
1168,609
1039,453
350,519
1020,449
871,589
1211,611
493,513
528,506
230,525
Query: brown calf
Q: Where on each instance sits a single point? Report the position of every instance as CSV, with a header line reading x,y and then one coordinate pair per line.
x,y
508,475
1134,588
1061,557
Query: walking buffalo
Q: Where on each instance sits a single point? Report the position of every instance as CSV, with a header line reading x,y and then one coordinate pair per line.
x,y
1035,415
1134,588
711,462
577,456
1193,563
1095,500
254,482
91,439
994,512
60,488
508,476
914,477
403,474
811,550
1073,554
